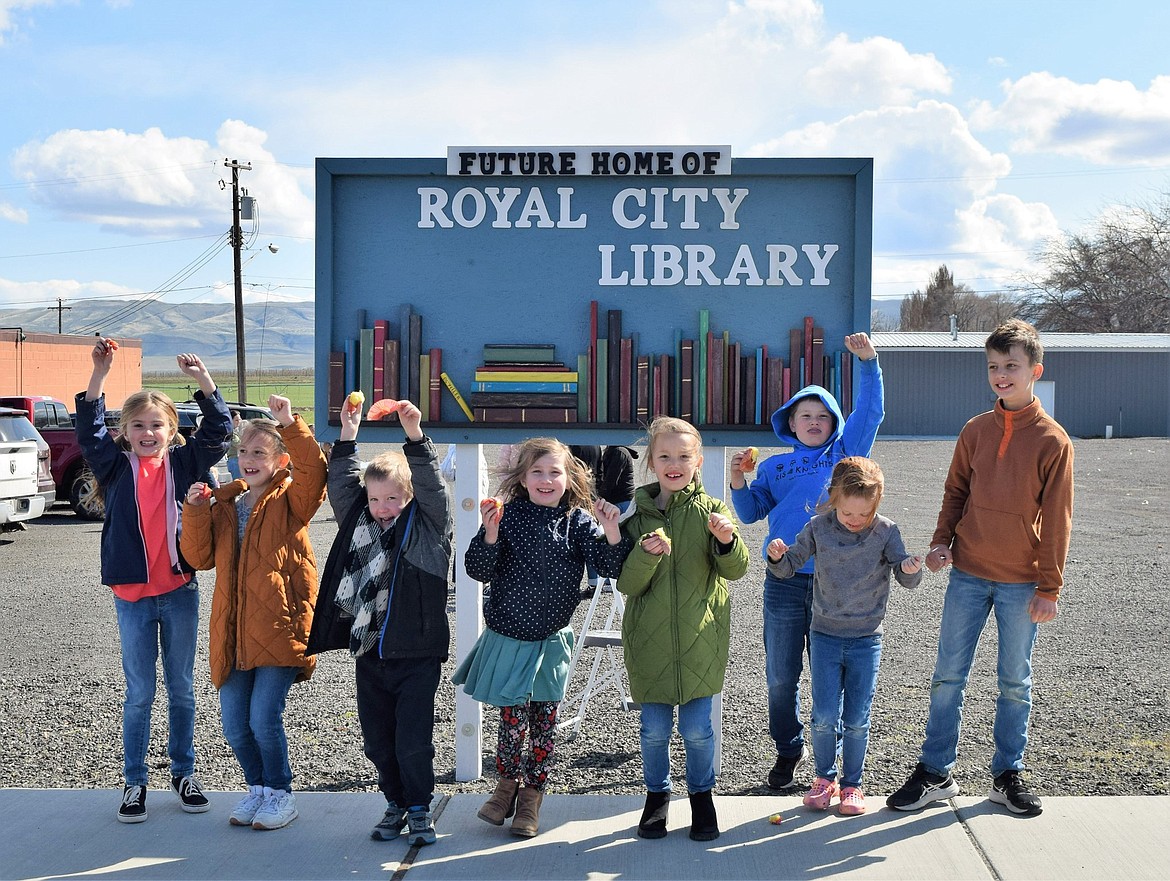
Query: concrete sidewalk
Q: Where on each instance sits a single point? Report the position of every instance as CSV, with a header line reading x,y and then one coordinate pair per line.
x,y
62,833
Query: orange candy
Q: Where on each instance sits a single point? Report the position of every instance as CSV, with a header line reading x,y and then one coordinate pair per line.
x,y
748,462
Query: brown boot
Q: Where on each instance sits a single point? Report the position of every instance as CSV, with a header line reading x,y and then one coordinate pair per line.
x,y
527,812
502,803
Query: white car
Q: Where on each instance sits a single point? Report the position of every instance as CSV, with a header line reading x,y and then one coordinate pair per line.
x,y
20,495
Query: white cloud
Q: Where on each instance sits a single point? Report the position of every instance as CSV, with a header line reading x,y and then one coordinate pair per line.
x,y
935,192
762,66
14,294
8,22
150,184
12,213
1110,122
876,71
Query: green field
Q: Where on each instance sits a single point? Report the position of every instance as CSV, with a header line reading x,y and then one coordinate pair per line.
x,y
296,385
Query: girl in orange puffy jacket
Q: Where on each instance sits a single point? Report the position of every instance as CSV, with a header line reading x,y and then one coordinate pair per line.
x,y
254,533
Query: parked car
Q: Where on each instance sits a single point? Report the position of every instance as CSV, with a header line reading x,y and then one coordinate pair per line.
x,y
70,475
21,498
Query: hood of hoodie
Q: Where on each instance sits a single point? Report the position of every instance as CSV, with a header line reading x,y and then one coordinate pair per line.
x,y
780,417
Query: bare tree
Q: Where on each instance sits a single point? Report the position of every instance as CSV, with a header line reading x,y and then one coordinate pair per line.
x,y
1114,278
932,309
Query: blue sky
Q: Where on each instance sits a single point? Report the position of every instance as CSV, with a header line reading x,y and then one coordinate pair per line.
x,y
993,125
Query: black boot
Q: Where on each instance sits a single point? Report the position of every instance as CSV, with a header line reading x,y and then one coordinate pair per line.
x,y
704,823
653,822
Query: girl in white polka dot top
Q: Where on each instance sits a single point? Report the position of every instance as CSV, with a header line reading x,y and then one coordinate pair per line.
x,y
532,549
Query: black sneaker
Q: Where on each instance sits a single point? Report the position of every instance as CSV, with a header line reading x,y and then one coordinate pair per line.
x,y
783,773
391,824
133,809
1010,791
921,789
192,797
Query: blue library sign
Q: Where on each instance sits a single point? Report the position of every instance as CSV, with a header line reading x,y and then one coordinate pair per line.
x,y
579,291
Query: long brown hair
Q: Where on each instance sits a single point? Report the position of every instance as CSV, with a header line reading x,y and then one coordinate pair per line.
x,y
579,489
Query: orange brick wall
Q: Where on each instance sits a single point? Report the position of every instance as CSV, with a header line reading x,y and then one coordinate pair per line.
x,y
59,365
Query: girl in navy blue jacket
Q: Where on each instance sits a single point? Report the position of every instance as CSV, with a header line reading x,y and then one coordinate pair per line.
x,y
532,549
144,476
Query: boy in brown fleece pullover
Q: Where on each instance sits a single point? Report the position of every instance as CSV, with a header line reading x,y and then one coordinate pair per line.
x,y
1004,525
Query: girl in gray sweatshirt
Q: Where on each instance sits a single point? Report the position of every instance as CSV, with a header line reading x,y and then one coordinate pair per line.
x,y
856,550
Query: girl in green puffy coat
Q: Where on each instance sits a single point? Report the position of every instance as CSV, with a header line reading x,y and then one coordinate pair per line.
x,y
677,623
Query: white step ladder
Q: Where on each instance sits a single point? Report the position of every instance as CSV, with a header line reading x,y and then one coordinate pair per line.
x,y
607,640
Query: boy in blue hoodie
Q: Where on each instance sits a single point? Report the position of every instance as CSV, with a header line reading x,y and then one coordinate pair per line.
x,y
786,491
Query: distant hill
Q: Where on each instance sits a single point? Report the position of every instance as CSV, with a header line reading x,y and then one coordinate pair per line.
x,y
276,336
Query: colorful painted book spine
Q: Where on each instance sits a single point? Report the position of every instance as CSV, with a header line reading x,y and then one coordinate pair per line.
x,y
701,367
527,387
393,389
749,387
602,379
642,384
734,386
663,399
351,365
414,361
625,380
523,399
538,352
424,397
686,381
806,365
613,374
761,416
447,381
775,382
563,416
525,376
583,388
716,414
818,358
381,331
436,385
336,384
593,415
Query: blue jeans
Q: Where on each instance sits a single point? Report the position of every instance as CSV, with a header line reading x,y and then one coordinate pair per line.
x,y
252,703
787,616
694,724
968,603
844,676
233,467
172,621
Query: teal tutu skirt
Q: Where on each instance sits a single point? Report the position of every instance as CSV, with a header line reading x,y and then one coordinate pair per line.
x,y
506,672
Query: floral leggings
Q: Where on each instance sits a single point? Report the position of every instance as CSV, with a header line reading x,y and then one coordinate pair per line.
x,y
538,721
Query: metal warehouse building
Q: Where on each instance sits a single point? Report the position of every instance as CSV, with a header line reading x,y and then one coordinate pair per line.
x,y
1095,385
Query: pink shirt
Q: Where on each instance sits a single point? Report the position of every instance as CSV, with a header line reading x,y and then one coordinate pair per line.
x,y
152,522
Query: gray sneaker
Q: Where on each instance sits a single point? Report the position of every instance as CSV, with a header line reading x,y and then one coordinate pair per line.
x,y
420,829
391,824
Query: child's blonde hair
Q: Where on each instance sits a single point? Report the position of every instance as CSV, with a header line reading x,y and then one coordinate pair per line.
x,y
269,428
854,476
393,466
669,425
137,403
579,488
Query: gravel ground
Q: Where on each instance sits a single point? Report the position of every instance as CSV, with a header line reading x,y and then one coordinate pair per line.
x,y
1100,719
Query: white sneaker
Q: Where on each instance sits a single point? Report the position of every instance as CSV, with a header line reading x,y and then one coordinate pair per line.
x,y
279,809
245,810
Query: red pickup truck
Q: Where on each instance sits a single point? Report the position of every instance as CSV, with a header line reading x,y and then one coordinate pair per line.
x,y
75,482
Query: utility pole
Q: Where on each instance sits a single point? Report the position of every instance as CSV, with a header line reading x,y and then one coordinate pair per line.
x,y
237,242
60,307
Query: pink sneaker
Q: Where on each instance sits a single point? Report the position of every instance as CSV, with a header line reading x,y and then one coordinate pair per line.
x,y
821,794
852,801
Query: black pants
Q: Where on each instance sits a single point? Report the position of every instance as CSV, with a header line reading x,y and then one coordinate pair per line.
x,y
396,707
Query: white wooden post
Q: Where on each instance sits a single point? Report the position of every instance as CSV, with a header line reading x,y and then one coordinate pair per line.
x,y
470,477
715,483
